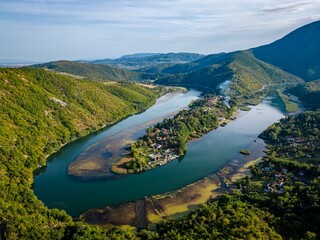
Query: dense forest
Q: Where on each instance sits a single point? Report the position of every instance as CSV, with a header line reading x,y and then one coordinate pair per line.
x,y
245,73
308,93
40,111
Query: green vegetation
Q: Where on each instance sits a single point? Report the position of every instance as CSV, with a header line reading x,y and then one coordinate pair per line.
x,y
245,152
248,75
297,53
167,140
228,218
279,201
245,108
290,105
96,71
40,111
295,136
308,93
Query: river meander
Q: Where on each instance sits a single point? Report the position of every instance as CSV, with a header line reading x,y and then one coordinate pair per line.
x,y
206,155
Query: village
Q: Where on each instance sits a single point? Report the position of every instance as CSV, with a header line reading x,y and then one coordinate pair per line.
x,y
166,141
292,157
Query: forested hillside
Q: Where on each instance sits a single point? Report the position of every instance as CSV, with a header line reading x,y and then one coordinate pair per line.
x,y
297,53
308,93
97,71
40,111
246,73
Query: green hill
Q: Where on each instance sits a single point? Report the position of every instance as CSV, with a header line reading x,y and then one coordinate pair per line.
x,y
92,71
245,73
40,111
308,93
297,53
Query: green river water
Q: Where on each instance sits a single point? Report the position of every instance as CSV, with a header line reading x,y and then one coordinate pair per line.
x,y
57,189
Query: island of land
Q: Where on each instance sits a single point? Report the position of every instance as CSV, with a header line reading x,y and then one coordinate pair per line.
x,y
167,140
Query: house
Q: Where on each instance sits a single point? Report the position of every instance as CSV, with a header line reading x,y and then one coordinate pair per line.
x,y
277,175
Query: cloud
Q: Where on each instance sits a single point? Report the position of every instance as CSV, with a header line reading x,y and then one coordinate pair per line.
x,y
290,7
110,28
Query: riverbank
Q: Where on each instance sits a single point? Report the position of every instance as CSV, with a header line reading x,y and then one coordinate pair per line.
x,y
96,161
205,155
166,141
175,204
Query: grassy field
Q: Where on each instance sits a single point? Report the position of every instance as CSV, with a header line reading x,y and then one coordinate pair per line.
x,y
119,167
289,104
179,203
245,108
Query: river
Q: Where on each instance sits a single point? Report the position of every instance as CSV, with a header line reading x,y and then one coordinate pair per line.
x,y
205,155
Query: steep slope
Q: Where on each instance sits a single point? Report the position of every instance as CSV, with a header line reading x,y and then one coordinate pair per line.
x,y
245,72
297,53
39,111
97,71
137,61
308,93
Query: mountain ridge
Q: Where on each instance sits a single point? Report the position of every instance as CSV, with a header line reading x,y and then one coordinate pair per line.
x,y
297,52
245,72
91,71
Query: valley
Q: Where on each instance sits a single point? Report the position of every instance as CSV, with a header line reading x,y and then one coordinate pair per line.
x,y
178,123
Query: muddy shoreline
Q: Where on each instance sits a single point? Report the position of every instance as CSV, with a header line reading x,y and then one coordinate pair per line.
x,y
96,161
146,212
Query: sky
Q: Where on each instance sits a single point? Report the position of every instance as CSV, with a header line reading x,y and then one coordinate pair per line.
x,y
47,30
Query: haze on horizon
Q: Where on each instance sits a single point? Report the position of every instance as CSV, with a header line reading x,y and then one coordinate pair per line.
x,y
45,30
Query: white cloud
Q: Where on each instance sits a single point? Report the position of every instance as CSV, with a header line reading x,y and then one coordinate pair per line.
x,y
111,28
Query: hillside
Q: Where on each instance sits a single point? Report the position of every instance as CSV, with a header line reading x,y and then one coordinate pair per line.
x,y
245,72
185,67
41,110
297,53
97,71
308,93
137,61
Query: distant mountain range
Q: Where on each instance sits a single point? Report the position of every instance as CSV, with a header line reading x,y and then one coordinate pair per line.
x,y
290,59
141,60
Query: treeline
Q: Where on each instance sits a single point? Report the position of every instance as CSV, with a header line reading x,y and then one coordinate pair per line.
x,y
296,136
308,93
91,71
39,111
